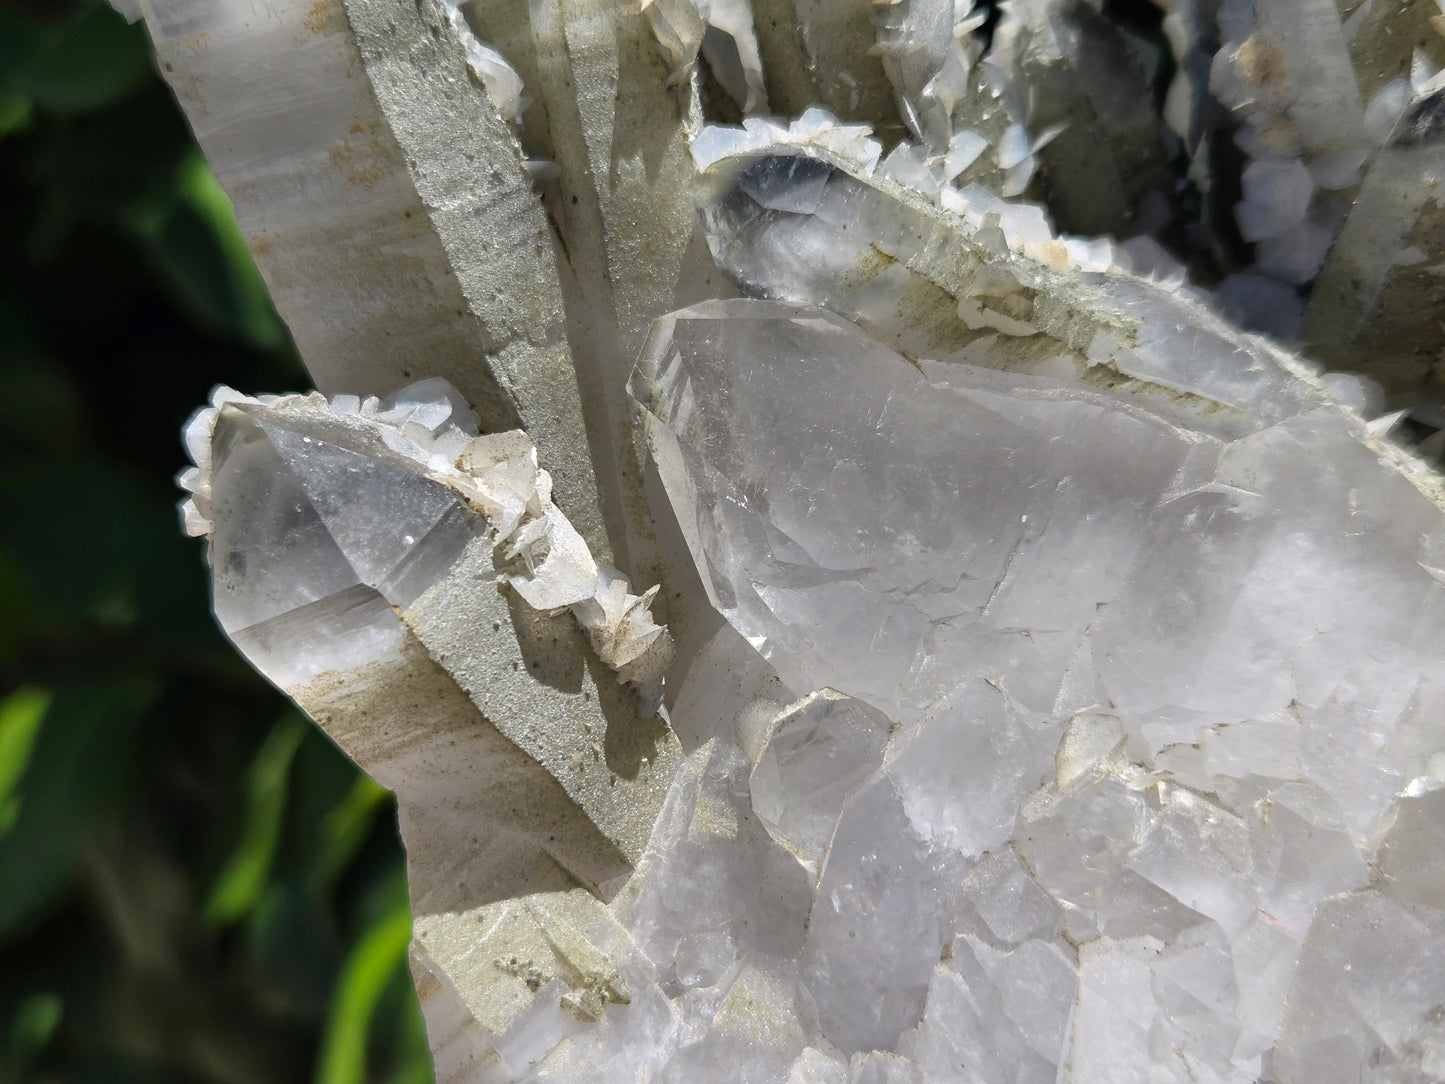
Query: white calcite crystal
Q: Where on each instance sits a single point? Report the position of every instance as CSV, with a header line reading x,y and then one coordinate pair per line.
x,y
1039,678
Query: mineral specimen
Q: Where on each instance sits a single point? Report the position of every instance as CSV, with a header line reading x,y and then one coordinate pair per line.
x,y
1185,684
1057,690
361,551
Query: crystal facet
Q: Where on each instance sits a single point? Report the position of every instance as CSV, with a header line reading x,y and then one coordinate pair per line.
x,y
1159,665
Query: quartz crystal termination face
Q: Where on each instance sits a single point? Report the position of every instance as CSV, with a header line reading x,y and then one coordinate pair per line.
x,y
1155,620
413,587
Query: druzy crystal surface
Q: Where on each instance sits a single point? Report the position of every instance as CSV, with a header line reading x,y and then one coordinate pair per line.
x,y
1051,686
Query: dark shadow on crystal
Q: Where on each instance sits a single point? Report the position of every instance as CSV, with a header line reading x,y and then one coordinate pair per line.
x,y
630,738
1423,122
553,648
725,67
783,182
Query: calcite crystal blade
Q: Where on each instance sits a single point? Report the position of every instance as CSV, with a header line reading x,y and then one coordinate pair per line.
x,y
1190,679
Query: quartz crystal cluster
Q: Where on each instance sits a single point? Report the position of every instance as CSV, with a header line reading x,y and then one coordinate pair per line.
x,y
1052,684
360,547
394,491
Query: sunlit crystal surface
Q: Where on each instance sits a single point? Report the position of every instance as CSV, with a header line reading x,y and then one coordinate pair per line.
x,y
1166,692
1058,691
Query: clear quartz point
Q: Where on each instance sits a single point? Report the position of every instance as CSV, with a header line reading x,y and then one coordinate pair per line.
x,y
818,753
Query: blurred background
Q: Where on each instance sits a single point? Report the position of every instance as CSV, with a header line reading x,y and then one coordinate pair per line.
x,y
194,884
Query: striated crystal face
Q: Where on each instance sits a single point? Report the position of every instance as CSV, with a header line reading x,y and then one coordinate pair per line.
x,y
1161,700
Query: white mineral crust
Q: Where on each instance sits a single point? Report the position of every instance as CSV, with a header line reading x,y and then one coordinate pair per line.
x,y
1058,691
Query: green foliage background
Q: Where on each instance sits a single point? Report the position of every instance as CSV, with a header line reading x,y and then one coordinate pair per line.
x,y
194,884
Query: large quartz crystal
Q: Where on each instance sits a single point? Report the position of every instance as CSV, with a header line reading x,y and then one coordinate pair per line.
x,y
1170,688
1052,685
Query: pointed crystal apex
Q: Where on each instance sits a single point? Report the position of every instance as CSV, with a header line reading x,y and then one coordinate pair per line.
x,y
818,753
271,550
377,511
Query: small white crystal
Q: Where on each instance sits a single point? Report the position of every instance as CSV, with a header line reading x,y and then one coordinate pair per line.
x,y
1276,195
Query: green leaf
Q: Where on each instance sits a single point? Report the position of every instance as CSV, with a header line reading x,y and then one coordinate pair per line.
x,y
57,560
24,616
370,966
292,948
80,760
242,879
252,309
414,1057
21,39
15,113
193,232
38,402
36,1019
344,829
94,61
21,714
